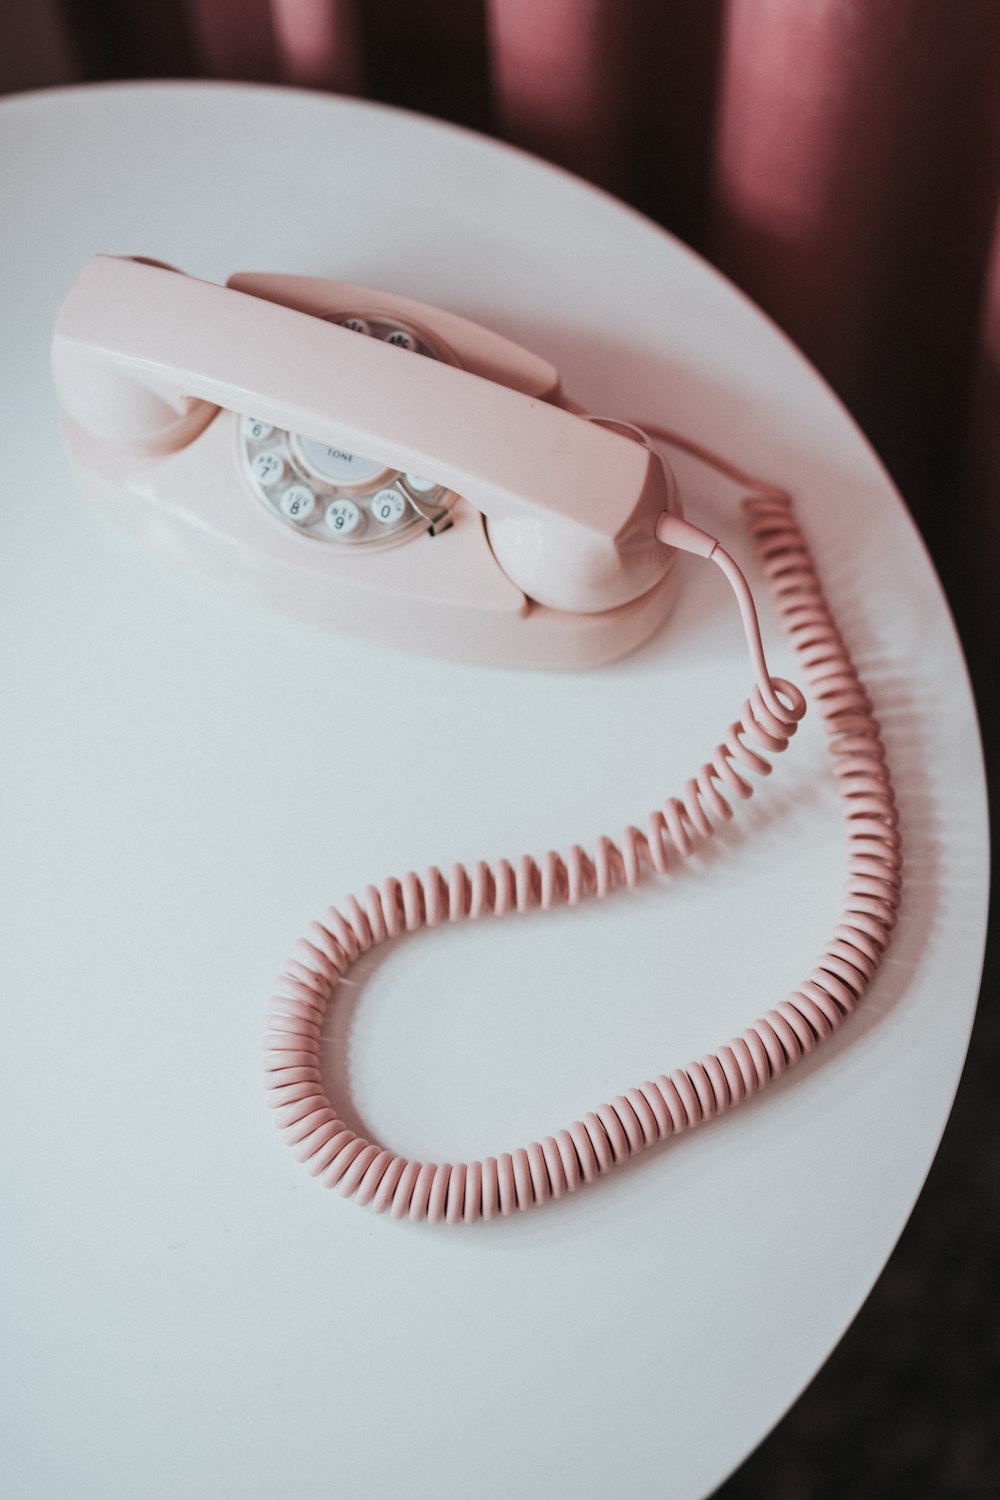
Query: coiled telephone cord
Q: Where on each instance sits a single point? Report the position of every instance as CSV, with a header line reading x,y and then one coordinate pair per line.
x,y
673,1102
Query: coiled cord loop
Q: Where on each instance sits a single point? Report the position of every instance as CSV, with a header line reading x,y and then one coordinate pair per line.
x,y
671,1103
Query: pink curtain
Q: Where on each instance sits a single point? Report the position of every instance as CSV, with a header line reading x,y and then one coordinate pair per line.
x,y
837,158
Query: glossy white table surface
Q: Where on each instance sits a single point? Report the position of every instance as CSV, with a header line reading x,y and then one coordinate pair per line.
x,y
188,781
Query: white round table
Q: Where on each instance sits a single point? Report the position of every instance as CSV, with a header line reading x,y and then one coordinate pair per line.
x,y
188,781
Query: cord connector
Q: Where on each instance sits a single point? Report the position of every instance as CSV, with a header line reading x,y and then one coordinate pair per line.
x,y
674,531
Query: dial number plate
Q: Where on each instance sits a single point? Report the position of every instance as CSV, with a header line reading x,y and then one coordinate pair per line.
x,y
333,497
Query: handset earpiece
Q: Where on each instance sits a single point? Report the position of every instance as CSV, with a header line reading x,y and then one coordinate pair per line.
x,y
112,399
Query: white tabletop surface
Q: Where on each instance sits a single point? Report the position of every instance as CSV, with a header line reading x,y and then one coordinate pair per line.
x,y
188,781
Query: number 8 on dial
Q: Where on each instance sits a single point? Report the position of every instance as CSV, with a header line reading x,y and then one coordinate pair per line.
x,y
298,503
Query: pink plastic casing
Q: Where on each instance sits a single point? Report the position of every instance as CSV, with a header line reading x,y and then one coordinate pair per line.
x,y
151,367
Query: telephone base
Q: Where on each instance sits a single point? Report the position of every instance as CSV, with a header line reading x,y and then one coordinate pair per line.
x,y
439,596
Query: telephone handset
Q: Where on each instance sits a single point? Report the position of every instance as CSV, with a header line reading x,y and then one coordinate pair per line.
x,y
370,463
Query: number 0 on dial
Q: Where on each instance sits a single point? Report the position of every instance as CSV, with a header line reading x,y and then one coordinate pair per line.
x,y
388,507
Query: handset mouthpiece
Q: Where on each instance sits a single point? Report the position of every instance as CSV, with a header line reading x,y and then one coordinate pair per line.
x,y
582,570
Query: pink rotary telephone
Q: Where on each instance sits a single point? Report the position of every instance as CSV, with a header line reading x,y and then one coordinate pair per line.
x,y
338,457
376,465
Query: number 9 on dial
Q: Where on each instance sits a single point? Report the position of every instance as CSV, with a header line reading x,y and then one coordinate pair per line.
x,y
343,517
